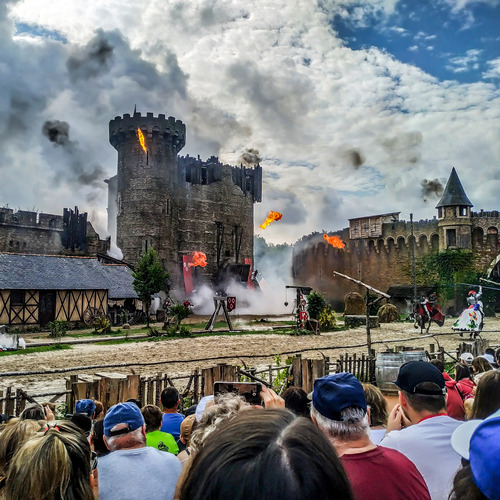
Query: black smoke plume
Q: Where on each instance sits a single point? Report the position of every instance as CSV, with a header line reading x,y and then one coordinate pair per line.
x,y
56,131
431,188
355,158
250,157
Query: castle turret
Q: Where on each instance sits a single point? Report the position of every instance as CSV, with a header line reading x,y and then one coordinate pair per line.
x,y
147,180
454,216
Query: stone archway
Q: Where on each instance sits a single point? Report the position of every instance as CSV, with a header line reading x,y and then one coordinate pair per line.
x,y
493,274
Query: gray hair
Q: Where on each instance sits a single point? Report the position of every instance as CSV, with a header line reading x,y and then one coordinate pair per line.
x,y
125,441
353,426
226,407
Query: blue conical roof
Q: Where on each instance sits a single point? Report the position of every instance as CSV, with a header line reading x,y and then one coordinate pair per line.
x,y
454,194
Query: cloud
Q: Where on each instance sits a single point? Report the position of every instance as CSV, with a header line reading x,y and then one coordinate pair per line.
x,y
493,69
431,188
468,62
250,157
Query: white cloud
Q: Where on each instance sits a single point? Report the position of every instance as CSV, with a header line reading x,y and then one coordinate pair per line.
x,y
342,133
493,69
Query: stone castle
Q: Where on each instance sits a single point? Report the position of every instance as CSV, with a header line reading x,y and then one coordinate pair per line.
x,y
378,248
178,205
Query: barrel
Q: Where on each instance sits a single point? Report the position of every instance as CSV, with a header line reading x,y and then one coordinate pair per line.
x,y
387,366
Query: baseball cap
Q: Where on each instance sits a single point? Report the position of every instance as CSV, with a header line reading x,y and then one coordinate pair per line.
x,y
488,357
200,409
477,441
414,373
86,406
467,357
334,393
123,413
187,426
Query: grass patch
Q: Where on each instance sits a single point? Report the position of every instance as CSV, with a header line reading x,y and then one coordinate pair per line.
x,y
29,350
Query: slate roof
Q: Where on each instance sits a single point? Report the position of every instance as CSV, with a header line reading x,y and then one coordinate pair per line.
x,y
53,272
121,280
454,194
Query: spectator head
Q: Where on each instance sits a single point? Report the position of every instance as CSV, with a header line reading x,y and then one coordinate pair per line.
x,y
152,417
488,357
124,427
480,365
296,400
187,428
86,406
377,405
462,371
487,395
33,412
477,441
190,411
422,387
54,465
99,410
205,402
438,364
339,407
13,437
170,398
497,355
135,401
466,358
97,438
83,422
266,454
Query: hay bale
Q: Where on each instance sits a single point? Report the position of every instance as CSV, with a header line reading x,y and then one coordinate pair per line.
x,y
354,304
388,313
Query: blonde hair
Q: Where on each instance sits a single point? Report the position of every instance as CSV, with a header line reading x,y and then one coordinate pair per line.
x,y
13,437
54,466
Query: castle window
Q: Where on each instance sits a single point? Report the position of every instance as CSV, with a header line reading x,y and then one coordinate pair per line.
x,y
451,238
17,297
462,211
52,223
440,213
492,230
11,243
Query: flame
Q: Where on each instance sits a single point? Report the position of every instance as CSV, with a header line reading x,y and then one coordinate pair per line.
x,y
141,139
271,217
334,241
198,259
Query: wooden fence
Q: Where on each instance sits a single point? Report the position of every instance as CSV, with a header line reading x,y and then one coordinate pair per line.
x,y
111,388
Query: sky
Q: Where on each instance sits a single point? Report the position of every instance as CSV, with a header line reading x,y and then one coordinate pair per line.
x,y
354,108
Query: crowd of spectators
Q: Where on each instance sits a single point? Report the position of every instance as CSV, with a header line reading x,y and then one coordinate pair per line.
x,y
342,441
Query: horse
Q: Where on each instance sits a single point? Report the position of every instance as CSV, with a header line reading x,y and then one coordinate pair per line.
x,y
424,313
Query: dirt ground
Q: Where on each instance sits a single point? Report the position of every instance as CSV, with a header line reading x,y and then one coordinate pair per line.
x,y
177,355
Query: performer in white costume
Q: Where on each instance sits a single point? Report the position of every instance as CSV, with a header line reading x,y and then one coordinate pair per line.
x,y
471,320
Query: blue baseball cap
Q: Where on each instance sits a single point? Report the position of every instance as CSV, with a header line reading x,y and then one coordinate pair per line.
x,y
334,393
86,406
123,413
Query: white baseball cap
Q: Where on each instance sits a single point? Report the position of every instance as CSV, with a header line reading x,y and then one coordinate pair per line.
x,y
467,357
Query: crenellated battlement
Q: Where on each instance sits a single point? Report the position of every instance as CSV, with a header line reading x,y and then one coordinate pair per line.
x,y
123,128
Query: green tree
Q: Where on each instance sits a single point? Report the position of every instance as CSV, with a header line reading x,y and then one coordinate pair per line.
x,y
149,278
315,305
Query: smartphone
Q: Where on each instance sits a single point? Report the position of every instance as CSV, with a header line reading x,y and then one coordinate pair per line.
x,y
249,390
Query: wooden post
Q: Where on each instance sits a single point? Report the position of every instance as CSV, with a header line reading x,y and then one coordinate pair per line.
x,y
368,332
70,399
20,401
9,403
196,385
297,370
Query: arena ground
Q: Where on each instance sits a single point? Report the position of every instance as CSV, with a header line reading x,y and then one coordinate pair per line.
x,y
178,354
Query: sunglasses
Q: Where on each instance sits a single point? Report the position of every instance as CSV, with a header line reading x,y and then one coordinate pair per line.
x,y
93,461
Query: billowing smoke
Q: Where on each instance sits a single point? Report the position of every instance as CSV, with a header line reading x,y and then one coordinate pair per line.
x,y
56,131
354,157
94,59
250,157
81,172
431,188
404,148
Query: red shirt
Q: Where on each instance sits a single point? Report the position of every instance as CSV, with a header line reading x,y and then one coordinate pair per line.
x,y
466,387
384,474
454,402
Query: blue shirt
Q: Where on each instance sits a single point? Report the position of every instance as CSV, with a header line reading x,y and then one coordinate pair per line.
x,y
171,423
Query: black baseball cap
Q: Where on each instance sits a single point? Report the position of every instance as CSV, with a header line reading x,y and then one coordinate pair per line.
x,y
414,374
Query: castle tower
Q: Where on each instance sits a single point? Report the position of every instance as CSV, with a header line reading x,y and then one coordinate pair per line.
x,y
454,216
148,179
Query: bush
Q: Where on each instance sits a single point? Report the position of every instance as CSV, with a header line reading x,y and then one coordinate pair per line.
x,y
102,325
327,320
57,329
315,305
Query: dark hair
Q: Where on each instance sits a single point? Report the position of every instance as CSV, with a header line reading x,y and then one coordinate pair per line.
x,y
497,354
464,486
266,454
169,397
152,417
462,371
481,365
83,422
33,412
426,402
487,395
296,401
135,401
378,405
490,350
438,364
99,408
98,438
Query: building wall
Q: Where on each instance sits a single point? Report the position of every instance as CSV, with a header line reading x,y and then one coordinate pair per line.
x,y
175,204
381,262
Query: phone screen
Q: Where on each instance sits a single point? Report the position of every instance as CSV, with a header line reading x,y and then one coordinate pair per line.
x,y
249,390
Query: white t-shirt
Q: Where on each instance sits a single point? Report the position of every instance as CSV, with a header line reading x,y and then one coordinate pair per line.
x,y
428,445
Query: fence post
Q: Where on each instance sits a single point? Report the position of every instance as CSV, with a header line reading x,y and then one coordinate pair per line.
x,y
297,370
9,403
70,400
196,385
20,401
